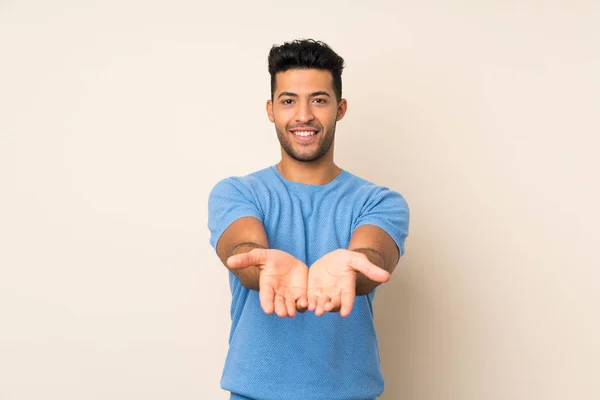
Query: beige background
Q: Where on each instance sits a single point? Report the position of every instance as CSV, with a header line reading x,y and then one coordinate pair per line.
x,y
117,117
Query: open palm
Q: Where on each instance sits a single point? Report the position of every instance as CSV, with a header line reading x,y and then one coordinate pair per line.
x,y
282,282
332,280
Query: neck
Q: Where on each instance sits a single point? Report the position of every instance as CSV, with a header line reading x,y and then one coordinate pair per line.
x,y
319,172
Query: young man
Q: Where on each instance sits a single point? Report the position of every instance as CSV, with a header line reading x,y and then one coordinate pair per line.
x,y
306,243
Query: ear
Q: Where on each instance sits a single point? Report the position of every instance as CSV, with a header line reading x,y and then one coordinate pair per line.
x,y
270,110
341,109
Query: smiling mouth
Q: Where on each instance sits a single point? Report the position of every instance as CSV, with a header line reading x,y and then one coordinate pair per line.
x,y
304,133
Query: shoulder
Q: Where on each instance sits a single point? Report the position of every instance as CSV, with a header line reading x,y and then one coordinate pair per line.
x,y
242,184
370,193
382,207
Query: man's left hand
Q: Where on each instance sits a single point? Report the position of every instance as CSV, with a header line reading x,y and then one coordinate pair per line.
x,y
332,280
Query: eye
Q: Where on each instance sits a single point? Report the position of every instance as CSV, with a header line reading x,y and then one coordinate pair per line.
x,y
320,100
287,101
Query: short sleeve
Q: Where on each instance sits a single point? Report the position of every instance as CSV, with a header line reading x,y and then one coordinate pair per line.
x,y
387,210
229,200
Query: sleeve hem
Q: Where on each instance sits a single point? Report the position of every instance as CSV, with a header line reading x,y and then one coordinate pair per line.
x,y
398,238
227,221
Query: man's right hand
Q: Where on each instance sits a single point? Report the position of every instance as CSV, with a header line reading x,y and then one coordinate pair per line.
x,y
283,280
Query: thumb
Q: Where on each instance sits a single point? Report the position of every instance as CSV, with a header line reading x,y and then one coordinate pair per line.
x,y
244,260
359,262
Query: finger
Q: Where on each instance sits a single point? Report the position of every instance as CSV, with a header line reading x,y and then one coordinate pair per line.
x,y
313,298
302,303
333,305
266,296
290,305
301,309
280,309
361,263
347,300
320,310
244,260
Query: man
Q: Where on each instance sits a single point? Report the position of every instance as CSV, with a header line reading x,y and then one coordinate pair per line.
x,y
306,243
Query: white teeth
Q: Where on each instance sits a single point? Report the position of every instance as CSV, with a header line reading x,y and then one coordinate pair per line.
x,y
304,133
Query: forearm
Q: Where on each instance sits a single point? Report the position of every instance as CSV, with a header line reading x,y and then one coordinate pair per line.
x,y
365,285
249,277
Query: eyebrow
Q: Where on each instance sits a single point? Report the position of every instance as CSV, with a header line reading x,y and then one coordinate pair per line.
x,y
290,94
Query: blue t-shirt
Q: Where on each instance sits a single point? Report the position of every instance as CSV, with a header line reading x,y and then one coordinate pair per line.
x,y
306,357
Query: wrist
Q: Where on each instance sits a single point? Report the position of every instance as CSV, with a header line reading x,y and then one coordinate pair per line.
x,y
365,285
249,277
373,255
245,247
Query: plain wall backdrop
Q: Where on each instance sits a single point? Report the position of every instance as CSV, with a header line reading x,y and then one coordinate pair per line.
x,y
118,117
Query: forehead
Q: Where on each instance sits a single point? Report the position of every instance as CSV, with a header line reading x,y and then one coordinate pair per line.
x,y
303,81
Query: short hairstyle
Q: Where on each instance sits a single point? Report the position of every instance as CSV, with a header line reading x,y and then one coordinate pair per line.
x,y
306,54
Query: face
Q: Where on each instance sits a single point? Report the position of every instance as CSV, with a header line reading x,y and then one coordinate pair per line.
x,y
304,110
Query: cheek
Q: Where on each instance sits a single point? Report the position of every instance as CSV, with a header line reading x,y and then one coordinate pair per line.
x,y
327,117
282,118
280,124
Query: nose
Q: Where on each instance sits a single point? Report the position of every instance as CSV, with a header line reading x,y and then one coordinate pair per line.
x,y
304,113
